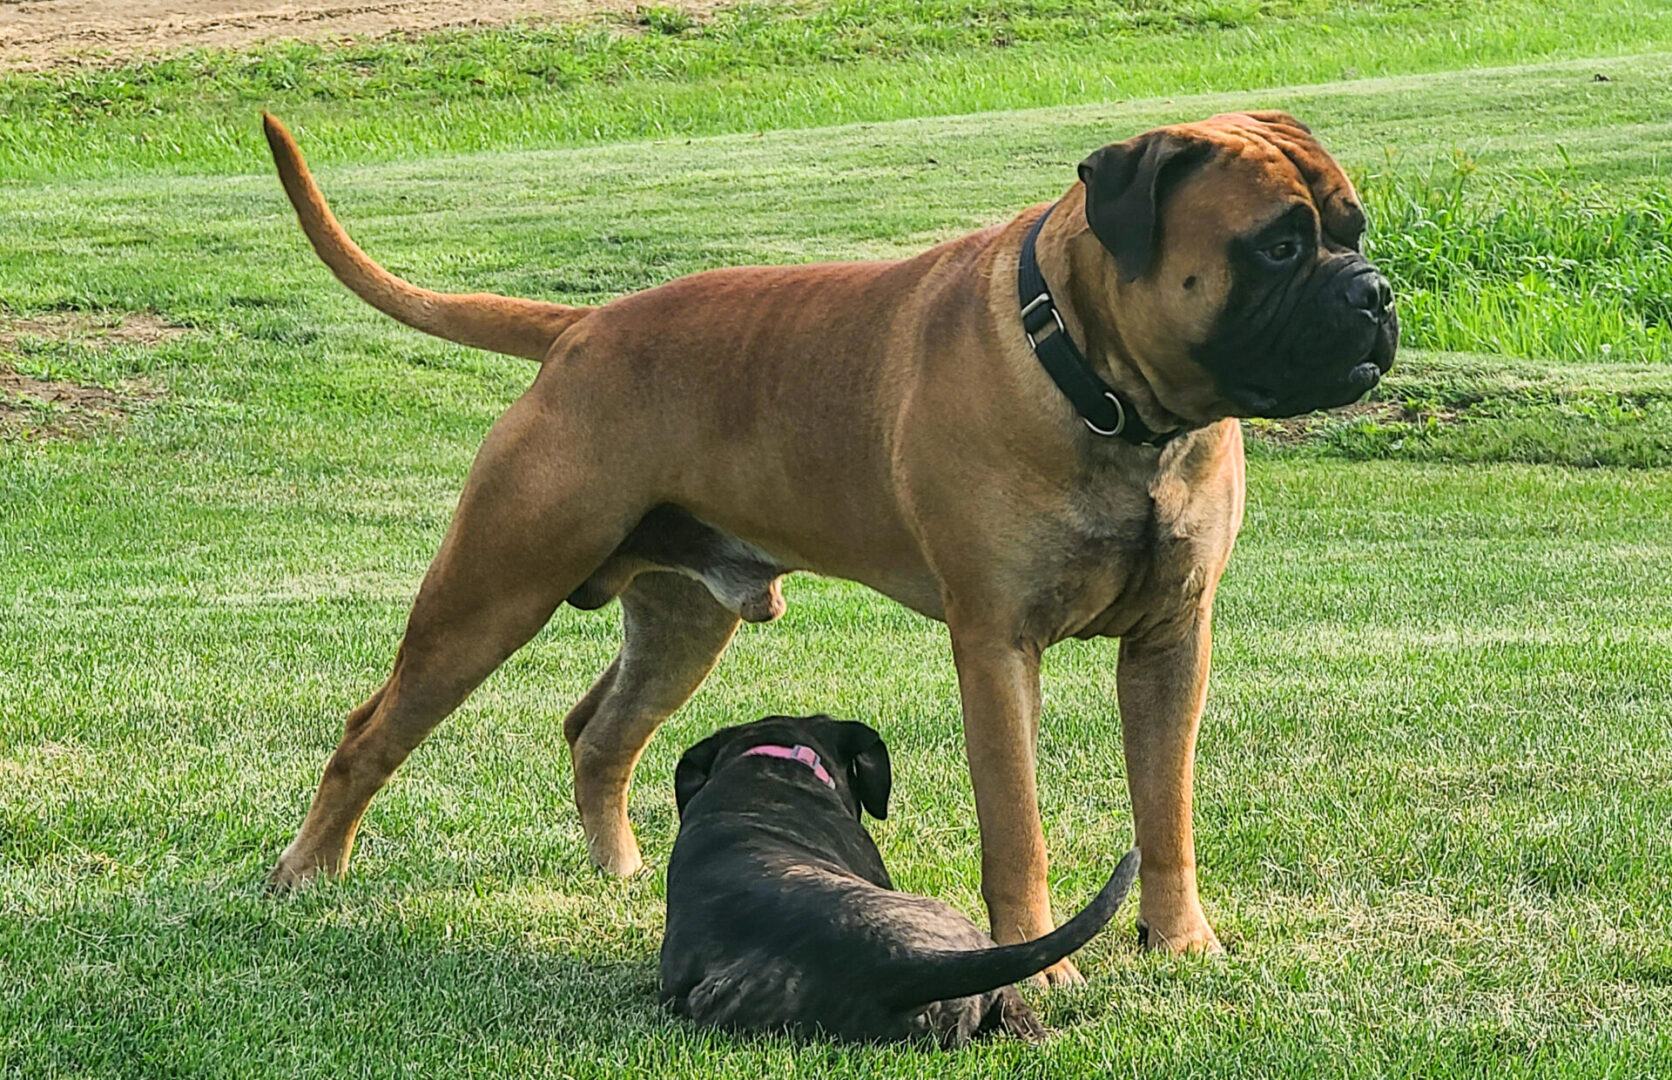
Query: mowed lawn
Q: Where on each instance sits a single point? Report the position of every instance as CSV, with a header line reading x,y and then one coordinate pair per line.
x,y
1435,778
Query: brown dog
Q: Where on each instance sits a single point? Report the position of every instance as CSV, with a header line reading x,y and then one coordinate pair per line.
x,y
890,423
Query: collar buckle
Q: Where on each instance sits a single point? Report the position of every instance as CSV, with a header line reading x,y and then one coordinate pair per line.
x,y
1120,411
1030,325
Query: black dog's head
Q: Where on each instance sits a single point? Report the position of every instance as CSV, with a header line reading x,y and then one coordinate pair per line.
x,y
1229,253
853,754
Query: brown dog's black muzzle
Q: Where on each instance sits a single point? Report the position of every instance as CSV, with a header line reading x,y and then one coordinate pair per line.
x,y
1369,292
1370,296
1368,333
1318,339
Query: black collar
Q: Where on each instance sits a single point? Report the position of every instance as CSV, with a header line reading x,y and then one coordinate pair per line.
x,y
1105,410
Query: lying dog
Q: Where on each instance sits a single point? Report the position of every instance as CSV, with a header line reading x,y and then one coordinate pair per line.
x,y
782,915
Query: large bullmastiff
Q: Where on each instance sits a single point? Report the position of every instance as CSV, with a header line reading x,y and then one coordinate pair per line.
x,y
1026,433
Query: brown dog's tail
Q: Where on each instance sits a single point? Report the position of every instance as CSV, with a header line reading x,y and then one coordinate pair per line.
x,y
927,977
499,324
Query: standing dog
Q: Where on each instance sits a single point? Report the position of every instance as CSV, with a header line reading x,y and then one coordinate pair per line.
x,y
1025,432
782,915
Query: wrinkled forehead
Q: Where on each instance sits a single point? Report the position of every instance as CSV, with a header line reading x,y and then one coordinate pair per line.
x,y
1278,155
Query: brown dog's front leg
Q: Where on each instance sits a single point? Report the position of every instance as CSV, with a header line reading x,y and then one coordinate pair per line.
x,y
1162,687
998,680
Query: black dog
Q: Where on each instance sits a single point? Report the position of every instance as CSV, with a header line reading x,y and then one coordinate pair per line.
x,y
781,914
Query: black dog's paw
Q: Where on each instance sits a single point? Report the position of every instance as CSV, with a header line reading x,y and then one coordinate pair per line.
x,y
1017,1019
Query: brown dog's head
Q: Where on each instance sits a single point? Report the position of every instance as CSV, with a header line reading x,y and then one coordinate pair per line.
x,y
1230,252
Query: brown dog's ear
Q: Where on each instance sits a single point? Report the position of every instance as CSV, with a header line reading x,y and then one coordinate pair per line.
x,y
695,765
870,773
1125,183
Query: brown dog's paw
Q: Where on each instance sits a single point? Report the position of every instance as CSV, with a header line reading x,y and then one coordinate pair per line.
x,y
1061,973
285,879
1193,937
298,867
616,854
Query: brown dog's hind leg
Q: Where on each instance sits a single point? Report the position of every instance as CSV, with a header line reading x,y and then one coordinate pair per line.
x,y
673,633
522,538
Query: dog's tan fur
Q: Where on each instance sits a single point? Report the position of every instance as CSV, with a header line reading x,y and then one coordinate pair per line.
x,y
883,422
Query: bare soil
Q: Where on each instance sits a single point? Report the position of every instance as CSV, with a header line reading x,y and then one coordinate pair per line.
x,y
95,329
1300,429
51,408
46,33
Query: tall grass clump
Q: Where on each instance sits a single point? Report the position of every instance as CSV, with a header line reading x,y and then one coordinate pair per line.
x,y
1533,267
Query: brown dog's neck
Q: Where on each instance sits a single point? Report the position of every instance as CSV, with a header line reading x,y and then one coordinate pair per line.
x,y
1078,285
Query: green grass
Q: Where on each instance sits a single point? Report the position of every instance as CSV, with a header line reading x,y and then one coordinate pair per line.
x,y
763,66
1436,768
1468,408
1550,268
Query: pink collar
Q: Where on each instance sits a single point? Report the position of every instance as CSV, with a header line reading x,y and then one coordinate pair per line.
x,y
804,754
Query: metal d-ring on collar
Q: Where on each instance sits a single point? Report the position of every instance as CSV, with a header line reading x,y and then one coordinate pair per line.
x,y
1102,407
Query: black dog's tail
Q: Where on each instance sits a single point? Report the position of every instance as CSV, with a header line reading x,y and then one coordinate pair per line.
x,y
936,976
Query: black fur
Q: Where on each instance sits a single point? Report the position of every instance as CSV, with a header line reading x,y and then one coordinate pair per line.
x,y
1293,338
781,914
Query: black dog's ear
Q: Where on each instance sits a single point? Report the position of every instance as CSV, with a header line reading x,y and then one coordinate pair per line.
x,y
873,779
870,773
695,765
1125,183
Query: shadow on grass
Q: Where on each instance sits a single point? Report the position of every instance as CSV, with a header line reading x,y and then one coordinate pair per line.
x,y
189,980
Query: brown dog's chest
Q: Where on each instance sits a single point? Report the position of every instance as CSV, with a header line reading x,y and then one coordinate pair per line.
x,y
1093,584
1129,558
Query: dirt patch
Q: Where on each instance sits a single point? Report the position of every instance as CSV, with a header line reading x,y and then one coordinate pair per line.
x,y
1300,429
36,409
32,408
37,34
92,329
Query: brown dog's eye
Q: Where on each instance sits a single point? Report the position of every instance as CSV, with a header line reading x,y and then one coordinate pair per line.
x,y
1282,252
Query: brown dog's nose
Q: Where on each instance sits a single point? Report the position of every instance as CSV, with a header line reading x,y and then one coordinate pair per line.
x,y
1370,292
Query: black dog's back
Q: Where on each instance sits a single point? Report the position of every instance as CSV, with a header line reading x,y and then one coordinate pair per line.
x,y
781,914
